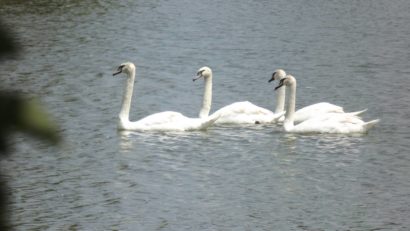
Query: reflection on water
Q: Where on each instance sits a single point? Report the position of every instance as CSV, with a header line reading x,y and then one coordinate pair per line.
x,y
126,141
327,143
348,144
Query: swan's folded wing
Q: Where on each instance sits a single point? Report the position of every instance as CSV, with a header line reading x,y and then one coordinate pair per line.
x,y
314,110
160,118
339,123
173,121
161,121
244,113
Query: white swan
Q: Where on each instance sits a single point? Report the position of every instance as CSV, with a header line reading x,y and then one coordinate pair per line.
x,y
163,121
308,111
235,113
340,123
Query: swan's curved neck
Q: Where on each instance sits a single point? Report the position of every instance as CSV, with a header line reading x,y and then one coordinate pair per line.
x,y
280,99
288,124
126,100
207,100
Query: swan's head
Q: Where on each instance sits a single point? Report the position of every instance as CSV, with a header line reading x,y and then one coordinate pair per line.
x,y
203,72
278,75
287,81
127,68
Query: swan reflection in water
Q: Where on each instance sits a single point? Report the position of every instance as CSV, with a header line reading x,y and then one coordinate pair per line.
x,y
126,141
129,139
324,143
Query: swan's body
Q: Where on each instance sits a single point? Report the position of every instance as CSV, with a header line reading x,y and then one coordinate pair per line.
x,y
340,123
235,113
166,121
307,112
245,113
318,109
162,121
331,123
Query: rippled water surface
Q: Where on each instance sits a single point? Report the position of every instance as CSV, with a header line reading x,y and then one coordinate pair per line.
x,y
351,53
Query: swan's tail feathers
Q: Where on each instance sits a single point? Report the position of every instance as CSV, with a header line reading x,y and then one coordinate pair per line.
x,y
357,113
370,124
277,116
209,121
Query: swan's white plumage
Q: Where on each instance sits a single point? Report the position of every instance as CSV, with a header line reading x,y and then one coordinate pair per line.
x,y
162,121
245,113
341,123
333,123
235,113
307,112
316,109
167,121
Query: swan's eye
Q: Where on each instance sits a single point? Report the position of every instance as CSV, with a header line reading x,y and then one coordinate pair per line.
x,y
200,73
281,82
119,70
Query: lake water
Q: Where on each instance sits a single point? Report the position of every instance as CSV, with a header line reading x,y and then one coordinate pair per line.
x,y
350,53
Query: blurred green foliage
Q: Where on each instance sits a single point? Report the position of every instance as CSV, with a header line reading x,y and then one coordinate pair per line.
x,y
18,113
21,114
